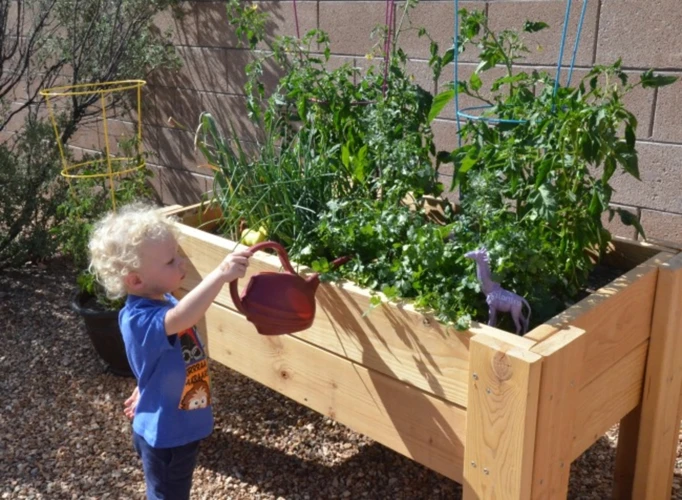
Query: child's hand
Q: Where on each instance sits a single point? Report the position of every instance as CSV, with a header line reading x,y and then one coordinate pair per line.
x,y
234,266
131,404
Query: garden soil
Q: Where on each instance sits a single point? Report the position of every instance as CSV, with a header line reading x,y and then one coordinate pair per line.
x,y
63,434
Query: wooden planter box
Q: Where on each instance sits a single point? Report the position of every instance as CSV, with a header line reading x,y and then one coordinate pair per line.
x,y
503,415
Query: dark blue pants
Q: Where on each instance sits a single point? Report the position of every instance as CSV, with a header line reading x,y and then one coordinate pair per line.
x,y
167,471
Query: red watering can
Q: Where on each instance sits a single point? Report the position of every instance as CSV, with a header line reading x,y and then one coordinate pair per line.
x,y
279,303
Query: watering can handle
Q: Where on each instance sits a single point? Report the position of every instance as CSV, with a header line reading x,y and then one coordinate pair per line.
x,y
283,258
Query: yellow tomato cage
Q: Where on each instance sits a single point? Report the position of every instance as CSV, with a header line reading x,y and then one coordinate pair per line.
x,y
103,89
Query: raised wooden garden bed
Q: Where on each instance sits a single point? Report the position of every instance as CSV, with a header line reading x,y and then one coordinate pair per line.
x,y
501,414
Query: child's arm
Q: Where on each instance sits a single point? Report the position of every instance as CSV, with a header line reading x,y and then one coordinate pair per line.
x,y
190,309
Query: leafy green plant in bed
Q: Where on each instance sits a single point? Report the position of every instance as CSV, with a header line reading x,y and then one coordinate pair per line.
x,y
554,169
533,192
323,137
282,188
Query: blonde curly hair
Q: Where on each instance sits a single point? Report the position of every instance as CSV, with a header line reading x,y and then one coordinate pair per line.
x,y
116,240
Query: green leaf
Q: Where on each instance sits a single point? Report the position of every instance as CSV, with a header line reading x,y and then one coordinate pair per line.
x,y
439,102
627,158
461,169
484,66
543,171
359,164
547,197
630,219
444,157
367,230
609,169
321,265
650,80
466,165
475,82
391,292
345,156
630,136
448,57
508,79
463,322
301,106
595,207
533,27
433,48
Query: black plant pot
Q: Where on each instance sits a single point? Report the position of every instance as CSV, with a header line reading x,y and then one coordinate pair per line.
x,y
105,335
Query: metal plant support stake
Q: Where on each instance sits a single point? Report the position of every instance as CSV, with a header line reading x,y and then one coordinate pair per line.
x,y
115,166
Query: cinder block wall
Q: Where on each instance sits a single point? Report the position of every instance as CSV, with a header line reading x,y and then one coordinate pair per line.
x,y
644,34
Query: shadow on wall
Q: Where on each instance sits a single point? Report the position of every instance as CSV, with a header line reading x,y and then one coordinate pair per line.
x,y
213,74
181,186
211,79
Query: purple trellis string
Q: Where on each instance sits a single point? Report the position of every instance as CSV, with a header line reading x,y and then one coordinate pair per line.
x,y
390,10
298,33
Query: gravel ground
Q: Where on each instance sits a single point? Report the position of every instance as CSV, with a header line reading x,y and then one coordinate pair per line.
x,y
63,433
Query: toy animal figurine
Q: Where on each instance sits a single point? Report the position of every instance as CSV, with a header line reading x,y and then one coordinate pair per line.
x,y
497,298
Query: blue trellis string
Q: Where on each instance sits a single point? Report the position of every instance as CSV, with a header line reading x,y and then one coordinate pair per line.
x,y
461,113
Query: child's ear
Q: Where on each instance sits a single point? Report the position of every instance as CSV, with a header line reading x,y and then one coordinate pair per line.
x,y
133,281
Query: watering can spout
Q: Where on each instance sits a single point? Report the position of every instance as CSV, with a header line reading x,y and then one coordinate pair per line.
x,y
279,303
314,279
340,261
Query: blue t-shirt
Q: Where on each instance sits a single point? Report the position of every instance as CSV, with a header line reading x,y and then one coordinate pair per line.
x,y
172,374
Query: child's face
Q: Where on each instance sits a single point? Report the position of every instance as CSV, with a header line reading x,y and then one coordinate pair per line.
x,y
161,270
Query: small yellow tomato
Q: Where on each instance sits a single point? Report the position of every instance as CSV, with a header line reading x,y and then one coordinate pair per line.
x,y
250,237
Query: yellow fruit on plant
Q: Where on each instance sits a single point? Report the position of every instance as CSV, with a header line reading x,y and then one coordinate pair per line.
x,y
250,236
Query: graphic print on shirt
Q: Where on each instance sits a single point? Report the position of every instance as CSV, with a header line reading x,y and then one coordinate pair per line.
x,y
197,392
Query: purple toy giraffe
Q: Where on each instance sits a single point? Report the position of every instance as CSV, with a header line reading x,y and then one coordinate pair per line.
x,y
497,298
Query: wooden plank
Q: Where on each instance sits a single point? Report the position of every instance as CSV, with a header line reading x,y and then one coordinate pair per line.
x,y
501,335
626,454
659,429
501,417
617,318
392,339
608,398
200,215
562,362
171,209
647,257
390,334
626,254
424,428
542,332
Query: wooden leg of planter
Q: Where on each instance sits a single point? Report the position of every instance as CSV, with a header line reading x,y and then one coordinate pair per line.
x,y
626,454
562,363
501,415
659,427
